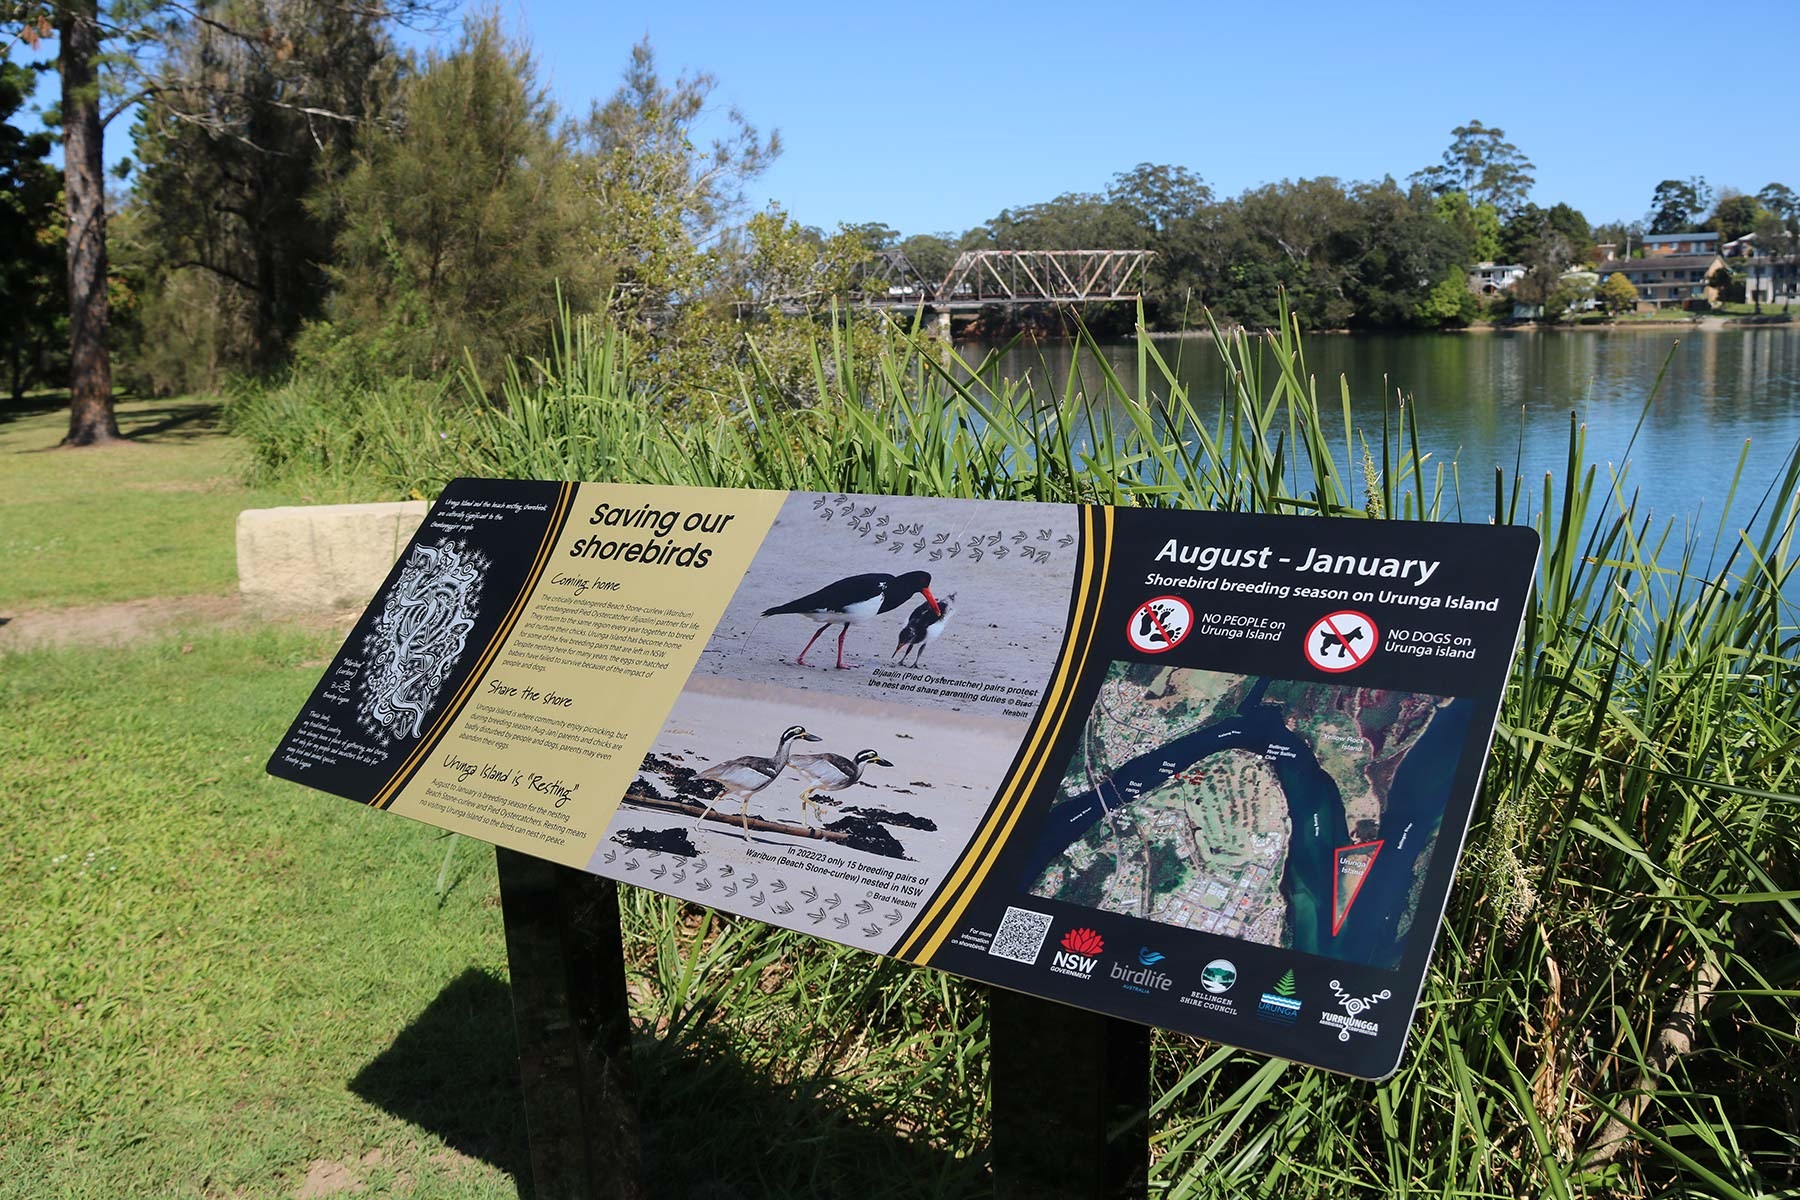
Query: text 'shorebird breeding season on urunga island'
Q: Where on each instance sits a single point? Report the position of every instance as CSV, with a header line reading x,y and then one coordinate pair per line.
x,y
1205,771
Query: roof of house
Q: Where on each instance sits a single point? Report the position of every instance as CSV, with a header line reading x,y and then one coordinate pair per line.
x,y
1679,237
1666,262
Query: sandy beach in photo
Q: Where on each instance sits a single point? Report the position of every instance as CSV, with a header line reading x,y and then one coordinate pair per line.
x,y
1005,569
916,814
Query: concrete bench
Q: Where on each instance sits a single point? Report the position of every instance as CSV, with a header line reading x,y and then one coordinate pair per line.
x,y
320,558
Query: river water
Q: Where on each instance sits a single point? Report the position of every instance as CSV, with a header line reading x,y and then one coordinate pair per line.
x,y
1487,399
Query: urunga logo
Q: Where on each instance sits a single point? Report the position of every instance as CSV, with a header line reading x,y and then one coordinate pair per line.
x,y
1084,942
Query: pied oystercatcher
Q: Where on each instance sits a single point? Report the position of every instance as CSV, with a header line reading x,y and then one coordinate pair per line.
x,y
831,773
923,627
853,600
746,776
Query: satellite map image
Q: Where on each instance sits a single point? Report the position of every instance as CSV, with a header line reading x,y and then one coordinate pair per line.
x,y
1301,815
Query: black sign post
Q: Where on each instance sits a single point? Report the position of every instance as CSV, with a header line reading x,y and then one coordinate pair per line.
x,y
574,1027
1070,1101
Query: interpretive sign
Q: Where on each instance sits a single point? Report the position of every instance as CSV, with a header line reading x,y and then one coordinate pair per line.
x,y
1204,771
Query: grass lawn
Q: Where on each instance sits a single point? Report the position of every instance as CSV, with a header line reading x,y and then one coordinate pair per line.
x,y
213,983
153,517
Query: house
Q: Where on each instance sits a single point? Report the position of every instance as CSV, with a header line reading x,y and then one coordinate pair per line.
x,y
1488,278
1742,247
1659,245
1668,280
1772,279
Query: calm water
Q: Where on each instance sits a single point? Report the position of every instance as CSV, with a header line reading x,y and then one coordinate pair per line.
x,y
1500,398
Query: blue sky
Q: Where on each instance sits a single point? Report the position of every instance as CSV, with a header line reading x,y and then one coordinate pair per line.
x,y
935,117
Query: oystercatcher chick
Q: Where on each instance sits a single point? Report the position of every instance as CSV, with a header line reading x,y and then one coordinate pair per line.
x,y
852,601
831,773
923,627
742,778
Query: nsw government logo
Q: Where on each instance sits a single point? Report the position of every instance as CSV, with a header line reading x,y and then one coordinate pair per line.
x,y
1282,1005
1146,978
1079,955
1216,979
1350,1020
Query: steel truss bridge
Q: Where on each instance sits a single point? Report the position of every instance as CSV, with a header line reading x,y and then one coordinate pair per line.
x,y
983,278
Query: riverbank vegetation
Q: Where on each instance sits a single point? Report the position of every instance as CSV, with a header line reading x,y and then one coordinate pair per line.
x,y
1613,1004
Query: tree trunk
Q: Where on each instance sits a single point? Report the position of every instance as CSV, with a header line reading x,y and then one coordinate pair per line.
x,y
91,420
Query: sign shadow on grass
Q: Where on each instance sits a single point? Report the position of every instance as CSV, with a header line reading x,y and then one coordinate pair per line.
x,y
712,1124
454,1072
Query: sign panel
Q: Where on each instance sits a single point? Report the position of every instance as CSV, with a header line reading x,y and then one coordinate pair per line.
x,y
1206,771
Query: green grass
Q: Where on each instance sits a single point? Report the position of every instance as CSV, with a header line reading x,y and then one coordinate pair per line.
x,y
202,967
211,980
152,517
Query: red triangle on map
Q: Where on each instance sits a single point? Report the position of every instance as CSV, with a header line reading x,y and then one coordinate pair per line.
x,y
1343,892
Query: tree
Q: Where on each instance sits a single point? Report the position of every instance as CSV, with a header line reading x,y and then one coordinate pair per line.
x,y
1616,294
1781,200
459,223
663,205
103,56
1735,215
32,290
1570,294
1677,204
236,133
1477,224
1483,165
1553,238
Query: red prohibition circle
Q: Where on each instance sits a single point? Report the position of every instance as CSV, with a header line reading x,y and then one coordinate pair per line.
x,y
1145,614
1340,640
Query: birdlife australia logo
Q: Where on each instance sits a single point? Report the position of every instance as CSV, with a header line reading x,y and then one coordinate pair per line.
x,y
1144,978
1350,1020
1079,955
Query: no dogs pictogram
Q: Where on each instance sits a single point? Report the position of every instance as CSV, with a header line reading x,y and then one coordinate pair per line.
x,y
1341,641
1160,624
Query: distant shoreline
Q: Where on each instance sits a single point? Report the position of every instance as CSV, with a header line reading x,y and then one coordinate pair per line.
x,y
1705,324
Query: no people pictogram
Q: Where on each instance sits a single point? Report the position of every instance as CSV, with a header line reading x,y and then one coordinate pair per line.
x,y
1159,624
1341,641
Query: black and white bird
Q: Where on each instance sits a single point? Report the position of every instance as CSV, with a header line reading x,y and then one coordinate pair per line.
x,y
853,600
923,627
831,773
742,778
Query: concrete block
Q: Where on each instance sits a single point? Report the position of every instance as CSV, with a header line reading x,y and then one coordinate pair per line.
x,y
320,558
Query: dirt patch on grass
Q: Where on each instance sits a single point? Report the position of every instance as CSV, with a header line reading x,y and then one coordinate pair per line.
x,y
326,1177
134,621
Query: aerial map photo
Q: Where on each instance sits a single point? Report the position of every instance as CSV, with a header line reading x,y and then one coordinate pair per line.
x,y
1292,814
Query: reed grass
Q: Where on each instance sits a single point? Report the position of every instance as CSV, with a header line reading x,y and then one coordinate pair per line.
x,y
1612,1006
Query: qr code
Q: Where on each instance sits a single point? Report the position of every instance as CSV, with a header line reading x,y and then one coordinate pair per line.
x,y
1021,935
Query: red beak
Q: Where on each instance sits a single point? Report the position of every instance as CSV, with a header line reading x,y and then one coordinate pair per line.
x,y
932,600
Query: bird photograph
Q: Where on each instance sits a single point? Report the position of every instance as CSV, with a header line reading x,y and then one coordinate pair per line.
x,y
854,600
924,625
871,573
831,773
741,778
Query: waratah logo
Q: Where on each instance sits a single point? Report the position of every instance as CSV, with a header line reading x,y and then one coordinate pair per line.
x,y
1083,941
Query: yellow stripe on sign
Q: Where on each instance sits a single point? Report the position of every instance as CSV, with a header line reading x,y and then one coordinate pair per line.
x,y
1071,669
564,498
954,899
